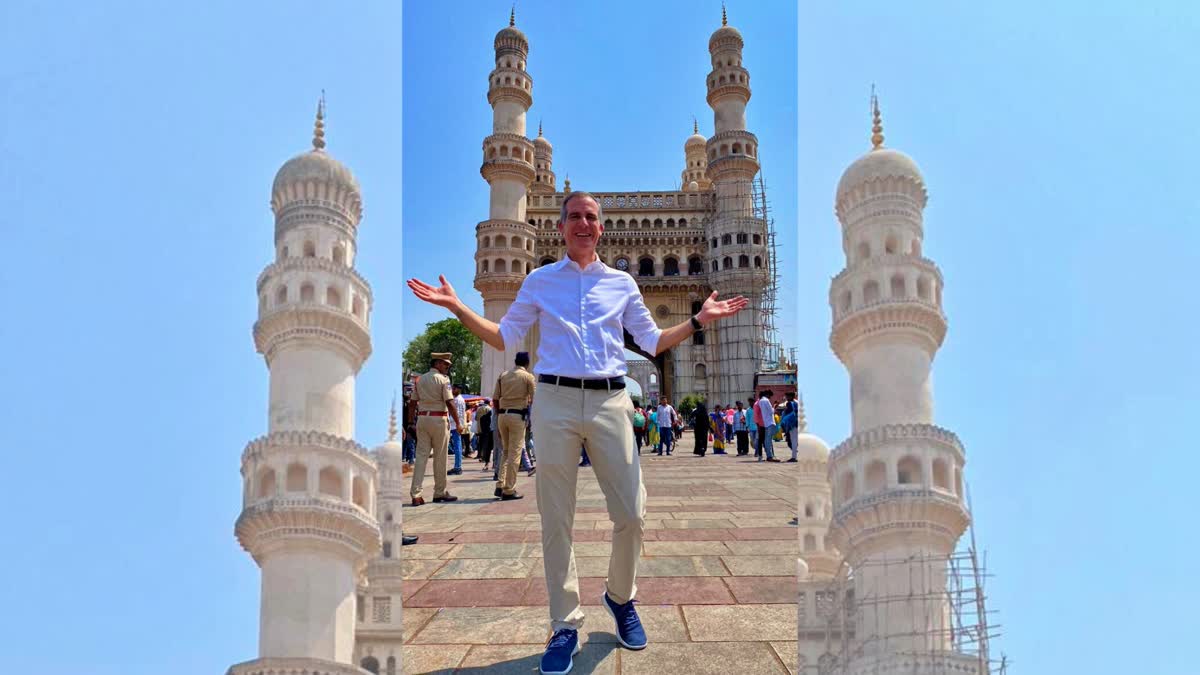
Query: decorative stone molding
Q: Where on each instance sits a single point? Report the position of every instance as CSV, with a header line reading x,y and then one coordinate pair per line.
x,y
381,569
897,517
888,434
317,194
886,260
312,321
912,316
925,663
507,168
315,264
294,666
259,448
903,187
318,212
324,522
498,287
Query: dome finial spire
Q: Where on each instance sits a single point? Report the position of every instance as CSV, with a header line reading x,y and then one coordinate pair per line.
x,y
724,18
876,122
392,419
512,15
539,127
319,128
695,125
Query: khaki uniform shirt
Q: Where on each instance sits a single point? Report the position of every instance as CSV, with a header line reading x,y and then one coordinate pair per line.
x,y
514,388
432,392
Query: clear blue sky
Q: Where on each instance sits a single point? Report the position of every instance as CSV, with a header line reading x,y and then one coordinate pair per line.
x,y
137,146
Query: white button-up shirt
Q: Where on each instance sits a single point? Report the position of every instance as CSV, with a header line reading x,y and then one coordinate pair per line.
x,y
581,314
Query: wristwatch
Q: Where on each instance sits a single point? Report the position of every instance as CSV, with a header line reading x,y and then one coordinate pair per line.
x,y
696,325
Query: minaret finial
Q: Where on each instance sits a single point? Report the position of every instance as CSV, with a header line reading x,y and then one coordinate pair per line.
x,y
539,127
724,18
319,127
695,125
876,123
512,15
392,419
567,184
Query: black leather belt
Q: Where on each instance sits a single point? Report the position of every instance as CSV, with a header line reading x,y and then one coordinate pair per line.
x,y
608,383
513,411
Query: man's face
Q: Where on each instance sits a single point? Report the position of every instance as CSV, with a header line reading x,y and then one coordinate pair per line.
x,y
455,390
582,228
663,402
441,366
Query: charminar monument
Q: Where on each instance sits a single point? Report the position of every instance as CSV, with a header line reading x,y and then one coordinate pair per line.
x,y
878,518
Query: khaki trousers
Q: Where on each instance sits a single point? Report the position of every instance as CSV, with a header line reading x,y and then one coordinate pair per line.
x,y
564,420
432,435
512,435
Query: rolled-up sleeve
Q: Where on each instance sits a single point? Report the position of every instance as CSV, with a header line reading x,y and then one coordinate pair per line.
x,y
638,321
520,316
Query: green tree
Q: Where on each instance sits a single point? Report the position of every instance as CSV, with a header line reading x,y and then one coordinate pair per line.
x,y
448,335
687,404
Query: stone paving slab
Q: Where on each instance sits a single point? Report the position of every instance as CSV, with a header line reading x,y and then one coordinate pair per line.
x,y
439,659
758,565
485,625
468,593
476,568
721,623
763,590
789,653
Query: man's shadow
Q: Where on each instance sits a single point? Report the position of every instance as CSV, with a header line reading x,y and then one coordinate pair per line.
x,y
597,648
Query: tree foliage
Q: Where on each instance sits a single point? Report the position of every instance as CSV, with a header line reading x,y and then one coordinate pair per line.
x,y
448,335
687,404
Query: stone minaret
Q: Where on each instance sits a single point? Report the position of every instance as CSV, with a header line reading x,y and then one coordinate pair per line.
x,y
505,241
543,157
897,481
379,644
815,504
308,492
693,178
738,241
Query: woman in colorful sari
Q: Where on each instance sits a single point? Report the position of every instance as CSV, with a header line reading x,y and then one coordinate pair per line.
x,y
652,438
718,429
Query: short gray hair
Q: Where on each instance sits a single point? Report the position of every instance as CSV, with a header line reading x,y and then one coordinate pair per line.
x,y
562,216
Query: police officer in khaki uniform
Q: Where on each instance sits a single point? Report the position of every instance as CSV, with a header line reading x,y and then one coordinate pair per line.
x,y
513,394
434,404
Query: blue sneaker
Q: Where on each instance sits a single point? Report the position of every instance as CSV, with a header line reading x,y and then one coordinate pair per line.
x,y
630,633
557,659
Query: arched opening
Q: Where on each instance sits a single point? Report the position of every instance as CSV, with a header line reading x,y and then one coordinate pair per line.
x,y
670,267
391,665
891,245
501,241
620,222
683,222
333,298
864,251
923,288
715,266
310,249
757,239
646,267
357,308
492,153
737,148
646,223
484,267
695,265
266,483
501,266
808,510
387,549
281,295
546,261
898,286
726,239
847,486
757,261
297,477
339,254
608,222
307,293
329,482
714,242
871,291
487,241
670,222
876,476
504,151
958,488
743,261
726,263
358,493
701,373
743,238
810,543
516,267
846,299
916,247
283,252
658,222
941,474
908,471
528,268
371,664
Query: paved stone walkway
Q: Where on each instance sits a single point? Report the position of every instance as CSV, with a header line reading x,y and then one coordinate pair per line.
x,y
716,583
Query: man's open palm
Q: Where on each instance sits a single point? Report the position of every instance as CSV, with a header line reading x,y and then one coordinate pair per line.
x,y
714,309
443,296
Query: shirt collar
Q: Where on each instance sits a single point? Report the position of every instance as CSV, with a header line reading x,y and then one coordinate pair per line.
x,y
592,266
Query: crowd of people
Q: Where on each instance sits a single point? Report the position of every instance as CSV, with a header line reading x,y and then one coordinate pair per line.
x,y
725,426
